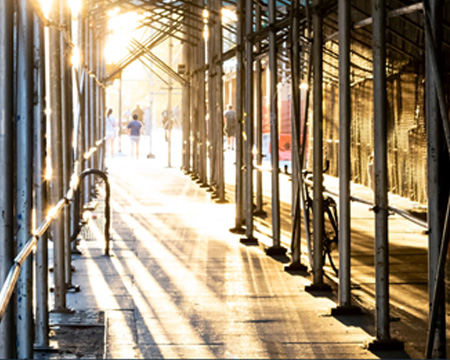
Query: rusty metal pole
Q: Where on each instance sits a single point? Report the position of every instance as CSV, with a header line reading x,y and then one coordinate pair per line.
x,y
7,325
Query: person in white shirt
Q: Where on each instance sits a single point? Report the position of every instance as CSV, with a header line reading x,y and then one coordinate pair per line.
x,y
110,130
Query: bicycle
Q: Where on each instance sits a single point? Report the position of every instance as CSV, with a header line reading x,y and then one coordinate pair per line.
x,y
330,236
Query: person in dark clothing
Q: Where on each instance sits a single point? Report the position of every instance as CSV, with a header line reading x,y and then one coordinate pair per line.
x,y
135,129
230,126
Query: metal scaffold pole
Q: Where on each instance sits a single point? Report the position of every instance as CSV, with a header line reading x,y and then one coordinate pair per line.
x,y
248,126
318,217
259,121
201,113
24,151
219,107
87,102
186,99
56,190
344,296
438,176
66,135
40,187
211,133
383,339
239,191
296,264
7,326
274,145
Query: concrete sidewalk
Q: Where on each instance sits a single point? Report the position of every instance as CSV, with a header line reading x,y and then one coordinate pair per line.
x,y
179,285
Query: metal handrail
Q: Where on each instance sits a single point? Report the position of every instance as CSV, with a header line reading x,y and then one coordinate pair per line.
x,y
13,275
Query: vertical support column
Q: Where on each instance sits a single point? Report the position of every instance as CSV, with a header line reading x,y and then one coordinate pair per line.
x,y
248,125
186,97
383,338
318,218
258,115
344,297
24,180
201,111
239,191
438,175
7,325
66,135
119,115
169,109
56,191
87,102
296,264
220,111
40,187
276,248
211,133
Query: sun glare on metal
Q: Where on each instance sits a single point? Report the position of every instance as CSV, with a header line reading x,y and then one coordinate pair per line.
x,y
46,6
304,86
75,59
75,6
228,16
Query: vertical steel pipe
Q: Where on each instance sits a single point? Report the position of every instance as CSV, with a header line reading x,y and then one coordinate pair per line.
x,y
7,325
318,218
40,187
201,112
186,98
438,176
169,109
344,153
24,178
212,111
66,133
248,124
56,191
380,157
239,191
273,95
295,130
220,107
258,115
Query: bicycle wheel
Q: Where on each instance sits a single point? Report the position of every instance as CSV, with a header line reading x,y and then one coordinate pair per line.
x,y
330,241
307,221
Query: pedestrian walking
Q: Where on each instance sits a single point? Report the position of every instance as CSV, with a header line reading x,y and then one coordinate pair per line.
x,y
135,128
110,131
230,126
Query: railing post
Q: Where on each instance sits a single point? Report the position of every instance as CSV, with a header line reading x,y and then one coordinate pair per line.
x,y
7,327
